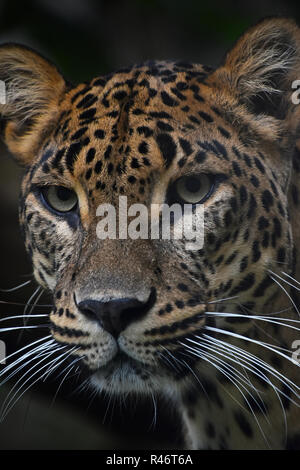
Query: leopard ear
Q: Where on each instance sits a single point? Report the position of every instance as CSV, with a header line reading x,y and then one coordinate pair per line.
x,y
262,66
32,89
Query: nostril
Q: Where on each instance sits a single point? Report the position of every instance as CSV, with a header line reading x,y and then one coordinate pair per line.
x,y
116,314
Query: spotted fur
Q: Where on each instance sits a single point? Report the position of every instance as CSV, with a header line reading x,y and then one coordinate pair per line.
x,y
135,132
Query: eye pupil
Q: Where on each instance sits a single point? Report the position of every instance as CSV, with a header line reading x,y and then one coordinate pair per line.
x,y
63,193
192,184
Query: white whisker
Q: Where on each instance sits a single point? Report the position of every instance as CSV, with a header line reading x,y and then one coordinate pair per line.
x,y
17,287
287,294
24,316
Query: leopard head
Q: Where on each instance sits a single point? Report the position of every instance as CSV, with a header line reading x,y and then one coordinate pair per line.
x,y
144,314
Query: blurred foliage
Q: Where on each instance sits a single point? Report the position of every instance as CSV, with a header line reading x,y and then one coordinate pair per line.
x,y
91,37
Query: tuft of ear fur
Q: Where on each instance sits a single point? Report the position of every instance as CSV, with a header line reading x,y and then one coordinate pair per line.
x,y
33,90
262,65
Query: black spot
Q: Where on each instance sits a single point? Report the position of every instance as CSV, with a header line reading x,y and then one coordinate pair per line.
x,y
252,206
224,132
236,169
205,116
98,166
182,287
144,130
212,392
107,152
243,424
90,155
72,154
281,255
87,101
168,100
220,148
182,162
265,240
243,194
247,160
120,95
88,174
186,147
243,263
200,157
146,161
210,430
164,126
110,168
99,134
58,157
131,179
259,165
254,181
89,114
256,253
135,163
143,148
79,133
260,290
267,200
262,223
244,284
167,147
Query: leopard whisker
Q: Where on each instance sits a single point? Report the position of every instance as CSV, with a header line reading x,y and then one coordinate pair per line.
x,y
28,346
34,354
284,280
21,304
256,360
14,328
258,317
8,408
69,352
260,343
222,300
291,277
246,357
45,355
206,357
287,294
13,289
13,317
154,420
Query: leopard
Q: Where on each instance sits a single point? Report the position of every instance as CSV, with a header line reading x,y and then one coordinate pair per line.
x,y
212,330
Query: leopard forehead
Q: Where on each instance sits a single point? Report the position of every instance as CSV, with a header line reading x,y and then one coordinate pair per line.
x,y
128,126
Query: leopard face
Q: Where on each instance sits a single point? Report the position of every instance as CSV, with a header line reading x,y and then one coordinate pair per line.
x,y
147,315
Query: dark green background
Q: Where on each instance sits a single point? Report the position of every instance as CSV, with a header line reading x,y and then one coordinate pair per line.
x,y
87,38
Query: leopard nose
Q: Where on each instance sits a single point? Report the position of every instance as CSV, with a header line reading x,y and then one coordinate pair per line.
x,y
115,315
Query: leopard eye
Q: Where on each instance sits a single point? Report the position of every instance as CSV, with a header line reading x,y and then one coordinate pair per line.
x,y
59,198
192,189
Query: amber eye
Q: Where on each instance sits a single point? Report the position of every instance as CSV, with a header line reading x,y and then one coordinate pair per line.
x,y
59,198
192,189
